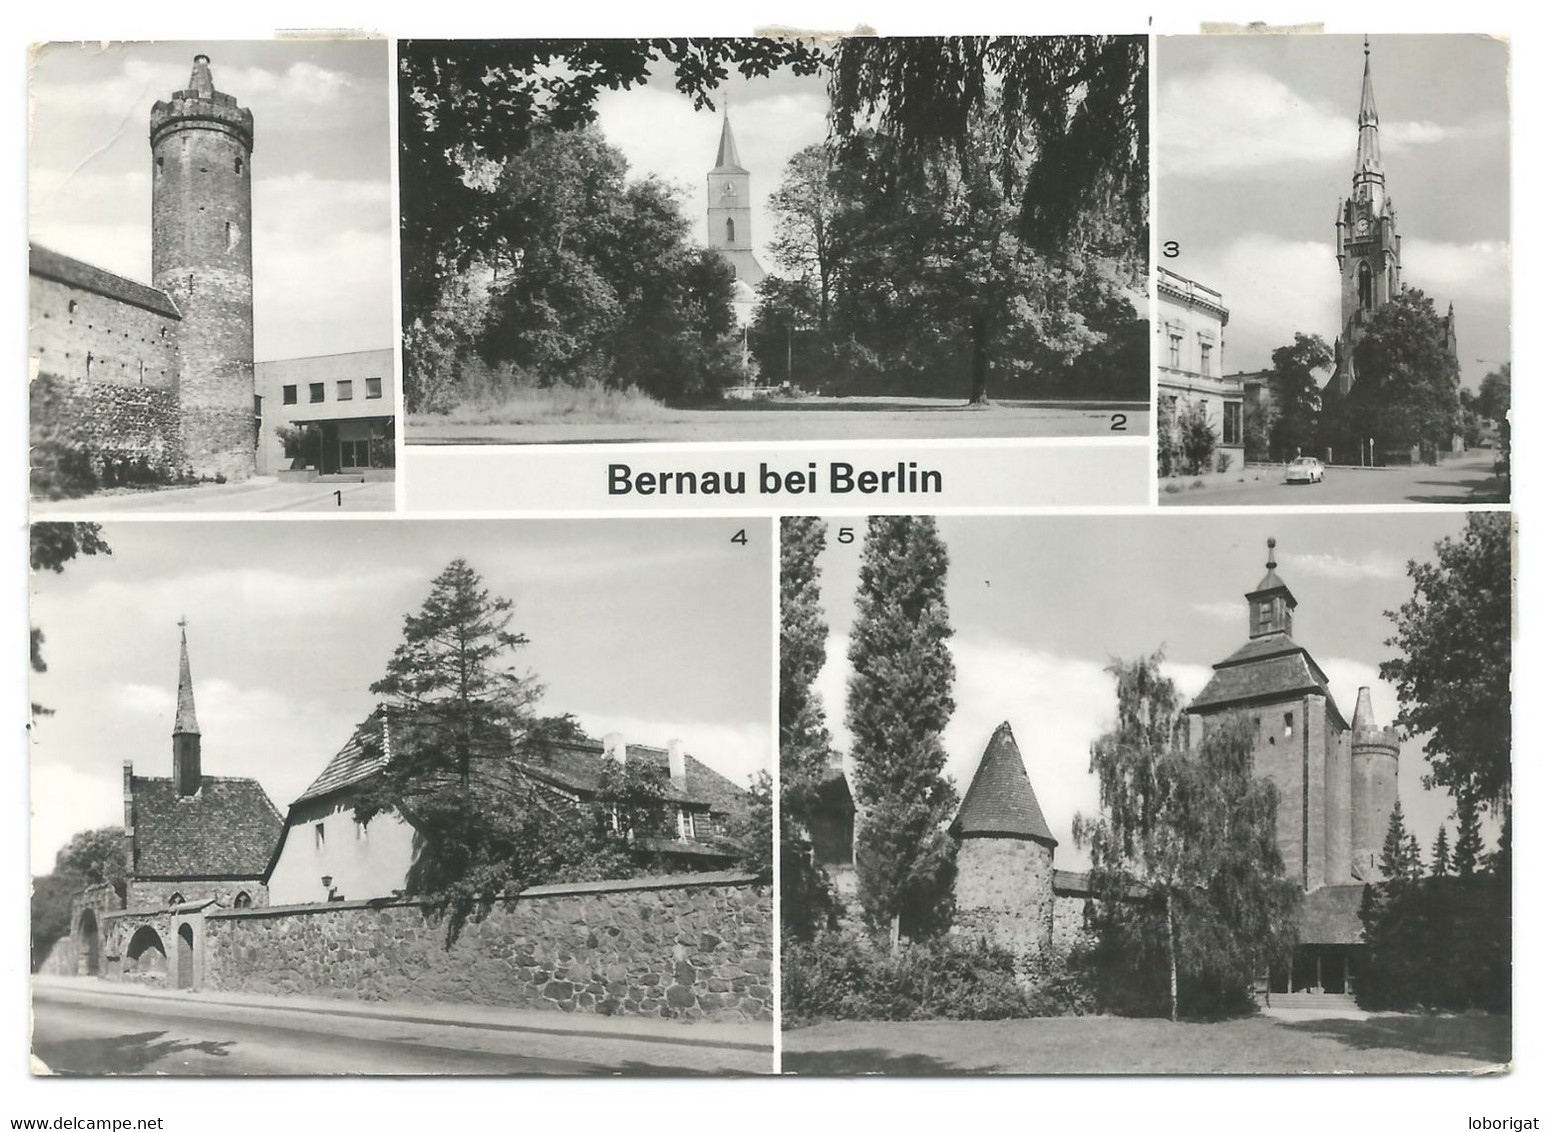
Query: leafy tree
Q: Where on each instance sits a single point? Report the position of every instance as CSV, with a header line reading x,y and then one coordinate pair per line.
x,y
95,856
1441,854
806,241
1406,387
899,701
1197,439
1494,399
1454,672
1297,395
465,106
1072,109
52,545
1184,852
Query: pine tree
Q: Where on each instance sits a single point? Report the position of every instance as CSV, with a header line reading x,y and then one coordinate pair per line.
x,y
1441,855
1414,861
899,701
1394,863
1470,847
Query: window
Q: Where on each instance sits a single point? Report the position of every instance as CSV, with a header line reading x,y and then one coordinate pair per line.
x,y
373,388
1175,350
731,230
354,453
1264,615
346,391
1205,350
288,394
315,393
175,898
1231,423
243,900
237,166
74,306
89,359
685,825
318,835
1290,724
1366,286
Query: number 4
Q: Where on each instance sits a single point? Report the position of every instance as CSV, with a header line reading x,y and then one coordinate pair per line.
x,y
741,537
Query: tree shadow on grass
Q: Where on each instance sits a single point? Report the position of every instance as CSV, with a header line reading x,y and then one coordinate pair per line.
x,y
121,1053
1481,1037
854,1062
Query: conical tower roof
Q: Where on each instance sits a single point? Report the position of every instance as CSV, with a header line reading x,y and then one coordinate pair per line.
x,y
1000,801
200,81
726,159
187,722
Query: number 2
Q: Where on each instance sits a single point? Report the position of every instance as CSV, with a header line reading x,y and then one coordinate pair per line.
x,y
1118,422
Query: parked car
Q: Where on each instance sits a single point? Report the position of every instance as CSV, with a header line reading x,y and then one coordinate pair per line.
x,y
1304,469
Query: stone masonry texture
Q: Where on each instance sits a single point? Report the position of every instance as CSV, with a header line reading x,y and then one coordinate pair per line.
x,y
1005,892
202,257
663,947
108,421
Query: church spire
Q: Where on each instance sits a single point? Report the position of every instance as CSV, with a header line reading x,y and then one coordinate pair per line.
x,y
726,159
1271,602
186,771
1368,152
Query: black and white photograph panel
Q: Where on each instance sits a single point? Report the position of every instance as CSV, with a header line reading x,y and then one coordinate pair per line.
x,y
478,798
774,239
1161,794
1334,290
211,277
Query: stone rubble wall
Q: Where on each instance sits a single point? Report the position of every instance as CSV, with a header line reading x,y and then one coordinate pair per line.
x,y
1005,892
696,946
108,421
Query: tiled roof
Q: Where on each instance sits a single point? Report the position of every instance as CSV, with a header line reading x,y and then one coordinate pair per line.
x,y
63,269
577,765
228,828
357,760
1265,668
1000,801
1332,915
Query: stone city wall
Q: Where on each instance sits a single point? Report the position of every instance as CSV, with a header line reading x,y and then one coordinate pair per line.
x,y
84,336
148,893
105,422
695,946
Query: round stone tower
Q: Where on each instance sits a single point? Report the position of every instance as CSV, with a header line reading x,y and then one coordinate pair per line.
x,y
1005,854
1373,787
202,257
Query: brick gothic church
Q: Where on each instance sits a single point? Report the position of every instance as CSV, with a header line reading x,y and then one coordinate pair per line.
x,y
1367,245
164,375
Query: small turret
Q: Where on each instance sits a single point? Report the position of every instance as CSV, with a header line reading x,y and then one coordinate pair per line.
x,y
1271,603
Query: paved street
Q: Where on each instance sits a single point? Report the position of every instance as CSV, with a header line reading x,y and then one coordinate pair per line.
x,y
260,494
852,418
1469,479
81,1027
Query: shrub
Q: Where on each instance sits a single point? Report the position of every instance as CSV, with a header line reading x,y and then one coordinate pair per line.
x,y
841,975
1196,440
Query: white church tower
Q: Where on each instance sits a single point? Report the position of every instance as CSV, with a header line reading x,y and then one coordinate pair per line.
x,y
730,222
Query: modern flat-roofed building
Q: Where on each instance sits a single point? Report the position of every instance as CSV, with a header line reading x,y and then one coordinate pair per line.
x,y
327,415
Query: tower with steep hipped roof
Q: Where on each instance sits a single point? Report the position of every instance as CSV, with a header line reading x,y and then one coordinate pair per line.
x,y
1366,241
730,213
1005,855
202,259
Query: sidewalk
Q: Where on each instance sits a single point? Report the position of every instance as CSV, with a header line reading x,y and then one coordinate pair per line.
x,y
750,1036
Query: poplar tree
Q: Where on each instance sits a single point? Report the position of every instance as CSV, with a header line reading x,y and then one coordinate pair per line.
x,y
898,703
807,903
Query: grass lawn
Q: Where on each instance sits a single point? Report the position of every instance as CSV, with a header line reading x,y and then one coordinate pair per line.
x,y
1388,1043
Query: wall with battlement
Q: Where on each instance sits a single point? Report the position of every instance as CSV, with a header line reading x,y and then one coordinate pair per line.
x,y
697,946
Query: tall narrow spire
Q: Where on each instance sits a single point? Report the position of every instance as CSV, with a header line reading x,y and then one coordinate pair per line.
x,y
187,722
1368,153
726,159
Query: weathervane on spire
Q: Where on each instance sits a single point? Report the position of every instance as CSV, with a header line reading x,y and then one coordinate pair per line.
x,y
1367,45
1271,563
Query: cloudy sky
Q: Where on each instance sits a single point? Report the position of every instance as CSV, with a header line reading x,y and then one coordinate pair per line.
x,y
1041,605
1256,141
322,240
657,629
660,132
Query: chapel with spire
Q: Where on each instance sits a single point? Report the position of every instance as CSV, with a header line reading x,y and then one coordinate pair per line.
x,y
729,220
195,837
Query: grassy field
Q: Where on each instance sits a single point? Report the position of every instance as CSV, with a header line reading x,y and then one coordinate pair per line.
x,y
1378,1044
565,404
